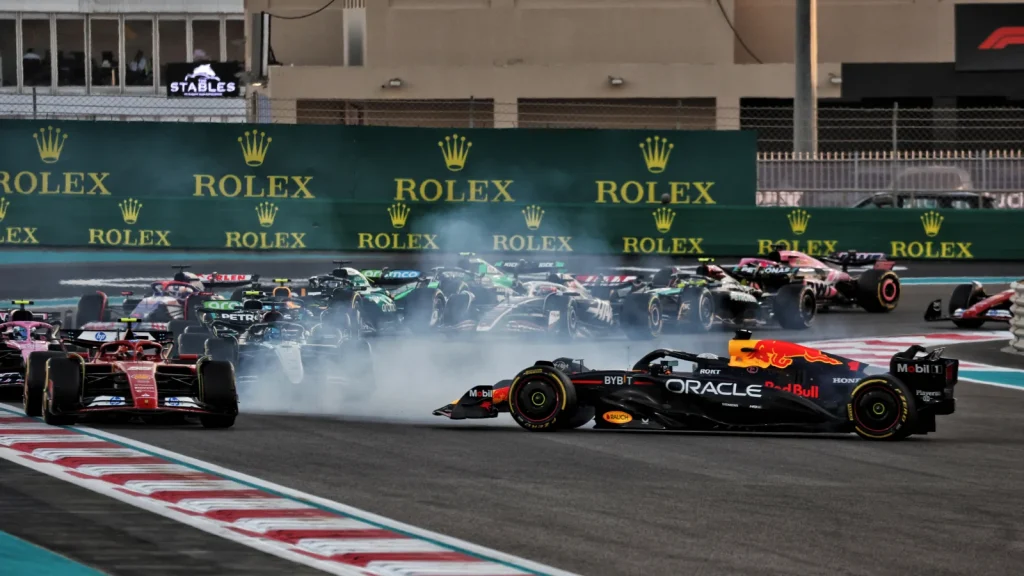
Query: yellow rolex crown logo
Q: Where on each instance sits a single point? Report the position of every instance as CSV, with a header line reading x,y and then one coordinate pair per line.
x,y
656,151
266,212
533,215
663,218
4,205
254,147
798,220
932,223
130,209
455,149
50,143
399,213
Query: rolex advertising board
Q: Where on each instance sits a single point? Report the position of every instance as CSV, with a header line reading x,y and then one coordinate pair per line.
x,y
329,188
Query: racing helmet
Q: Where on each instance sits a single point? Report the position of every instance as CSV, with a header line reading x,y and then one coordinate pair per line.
x,y
272,333
19,333
273,316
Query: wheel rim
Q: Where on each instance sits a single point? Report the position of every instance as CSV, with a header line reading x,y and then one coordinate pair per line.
x,y
570,319
890,291
878,409
807,306
537,400
654,317
704,311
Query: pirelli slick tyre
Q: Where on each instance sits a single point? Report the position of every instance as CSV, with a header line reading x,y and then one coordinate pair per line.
x,y
217,391
35,381
641,316
795,306
63,392
700,316
882,408
563,316
189,343
540,398
222,349
424,309
963,297
878,290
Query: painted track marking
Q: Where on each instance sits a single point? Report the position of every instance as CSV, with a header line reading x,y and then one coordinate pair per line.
x,y
300,527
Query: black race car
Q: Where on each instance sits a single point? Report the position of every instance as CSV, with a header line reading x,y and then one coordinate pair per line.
x,y
691,299
763,386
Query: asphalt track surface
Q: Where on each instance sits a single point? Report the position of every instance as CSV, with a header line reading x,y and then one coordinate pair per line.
x,y
606,503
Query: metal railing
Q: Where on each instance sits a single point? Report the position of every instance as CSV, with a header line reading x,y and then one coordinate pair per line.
x,y
864,152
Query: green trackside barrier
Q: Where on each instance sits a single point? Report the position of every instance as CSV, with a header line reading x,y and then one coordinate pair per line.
x,y
338,188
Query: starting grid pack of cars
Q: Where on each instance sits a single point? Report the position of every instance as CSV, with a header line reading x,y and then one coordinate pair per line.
x,y
182,351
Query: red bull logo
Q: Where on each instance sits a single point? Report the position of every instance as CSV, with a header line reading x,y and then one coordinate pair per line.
x,y
774,354
797,389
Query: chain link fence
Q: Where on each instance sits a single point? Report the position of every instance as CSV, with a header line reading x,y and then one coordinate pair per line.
x,y
920,157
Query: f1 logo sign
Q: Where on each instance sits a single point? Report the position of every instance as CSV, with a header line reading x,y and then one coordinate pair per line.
x,y
1003,37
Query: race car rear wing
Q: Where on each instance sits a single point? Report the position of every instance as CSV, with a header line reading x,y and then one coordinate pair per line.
x,y
610,281
95,334
880,260
529,266
928,374
49,317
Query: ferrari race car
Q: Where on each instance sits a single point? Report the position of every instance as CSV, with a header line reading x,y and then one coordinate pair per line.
x,y
875,290
129,378
167,300
970,307
20,336
763,386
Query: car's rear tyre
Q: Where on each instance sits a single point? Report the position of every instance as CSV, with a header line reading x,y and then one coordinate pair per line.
x,y
452,286
63,392
963,297
35,381
701,314
878,290
221,349
217,391
458,308
567,323
795,306
641,316
177,328
91,308
194,328
424,309
192,344
540,397
883,408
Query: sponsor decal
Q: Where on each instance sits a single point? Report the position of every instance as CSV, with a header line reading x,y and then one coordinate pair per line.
x,y
709,372
617,417
222,304
989,37
130,209
919,368
845,380
240,316
799,222
931,222
926,394
663,219
101,336
713,388
207,80
656,152
399,215
796,389
455,153
266,214
173,401
533,217
615,380
117,401
481,393
779,354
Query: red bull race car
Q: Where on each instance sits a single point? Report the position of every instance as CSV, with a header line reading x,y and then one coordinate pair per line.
x,y
970,307
762,386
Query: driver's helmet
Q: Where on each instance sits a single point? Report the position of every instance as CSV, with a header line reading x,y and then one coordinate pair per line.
x,y
272,333
124,351
178,291
18,333
711,271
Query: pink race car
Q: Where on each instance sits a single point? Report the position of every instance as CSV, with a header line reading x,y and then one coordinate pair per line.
x,y
20,336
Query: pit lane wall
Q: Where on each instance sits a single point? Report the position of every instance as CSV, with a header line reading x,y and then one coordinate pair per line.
x,y
1017,322
349,188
